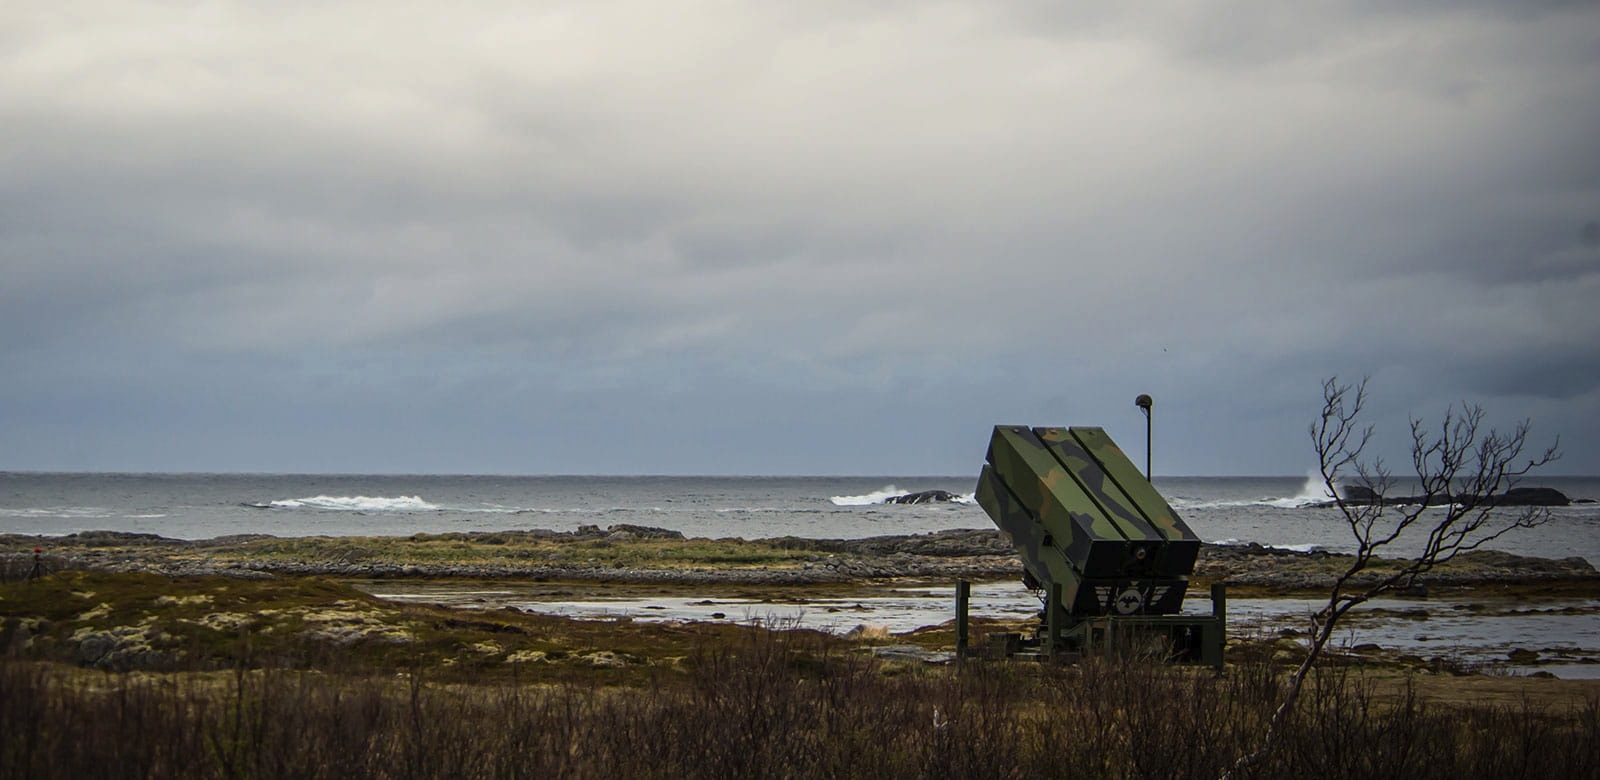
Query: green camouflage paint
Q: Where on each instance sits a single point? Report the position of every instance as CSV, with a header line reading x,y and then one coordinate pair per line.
x,y
1077,523
1092,542
1107,551
1044,561
1182,544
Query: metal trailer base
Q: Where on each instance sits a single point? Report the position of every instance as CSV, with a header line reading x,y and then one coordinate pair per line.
x,y
1187,639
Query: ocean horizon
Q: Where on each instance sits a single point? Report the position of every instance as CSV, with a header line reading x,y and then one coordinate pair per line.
x,y
1278,511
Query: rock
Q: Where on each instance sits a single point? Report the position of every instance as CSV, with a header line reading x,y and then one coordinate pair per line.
x,y
1522,656
22,637
119,649
1416,590
1533,496
954,543
924,497
96,646
1520,496
643,532
864,631
605,658
913,653
110,538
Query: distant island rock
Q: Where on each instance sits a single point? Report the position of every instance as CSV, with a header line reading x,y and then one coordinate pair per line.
x,y
1522,496
923,497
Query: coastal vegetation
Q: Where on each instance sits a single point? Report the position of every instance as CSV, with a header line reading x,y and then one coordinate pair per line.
x,y
145,675
688,702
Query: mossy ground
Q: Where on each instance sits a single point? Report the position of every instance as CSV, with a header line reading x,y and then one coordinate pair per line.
x,y
214,622
152,622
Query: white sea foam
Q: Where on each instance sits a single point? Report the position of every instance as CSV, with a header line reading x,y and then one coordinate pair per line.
x,y
64,512
875,497
357,504
890,491
1314,491
755,510
1302,548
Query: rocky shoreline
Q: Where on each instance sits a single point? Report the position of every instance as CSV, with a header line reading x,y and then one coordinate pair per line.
x,y
542,555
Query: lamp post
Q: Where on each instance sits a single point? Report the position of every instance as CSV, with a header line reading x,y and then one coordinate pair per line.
x,y
1144,402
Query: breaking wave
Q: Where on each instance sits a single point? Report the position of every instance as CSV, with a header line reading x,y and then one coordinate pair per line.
x,y
890,491
875,497
1301,548
1312,492
356,504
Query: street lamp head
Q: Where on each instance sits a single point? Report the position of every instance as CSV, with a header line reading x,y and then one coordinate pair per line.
x,y
1144,402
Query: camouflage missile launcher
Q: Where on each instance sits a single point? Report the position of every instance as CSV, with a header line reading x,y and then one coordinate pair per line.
x,y
1110,554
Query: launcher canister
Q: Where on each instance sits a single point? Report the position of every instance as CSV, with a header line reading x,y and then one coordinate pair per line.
x,y
1082,516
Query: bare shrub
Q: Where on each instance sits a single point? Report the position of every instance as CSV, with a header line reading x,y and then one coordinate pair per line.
x,y
1461,468
768,704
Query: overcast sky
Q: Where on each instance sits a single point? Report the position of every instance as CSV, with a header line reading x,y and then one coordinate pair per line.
x,y
785,237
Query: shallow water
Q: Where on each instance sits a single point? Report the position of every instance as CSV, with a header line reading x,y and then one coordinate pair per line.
x,y
1483,633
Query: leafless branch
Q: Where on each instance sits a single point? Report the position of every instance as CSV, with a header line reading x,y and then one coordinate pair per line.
x,y
1460,467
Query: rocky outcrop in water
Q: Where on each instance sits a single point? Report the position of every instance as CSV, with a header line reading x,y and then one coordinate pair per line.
x,y
1521,496
923,497
1270,568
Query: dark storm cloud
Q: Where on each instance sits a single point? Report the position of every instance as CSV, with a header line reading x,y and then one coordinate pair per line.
x,y
1564,375
488,238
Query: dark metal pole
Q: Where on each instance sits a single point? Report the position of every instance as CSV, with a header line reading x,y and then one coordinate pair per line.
x,y
1145,402
1217,642
963,599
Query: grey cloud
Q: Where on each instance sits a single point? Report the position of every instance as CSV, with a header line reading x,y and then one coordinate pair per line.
x,y
1548,374
846,221
1252,33
1590,234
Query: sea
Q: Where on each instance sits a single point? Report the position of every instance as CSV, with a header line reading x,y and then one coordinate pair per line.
x,y
1281,512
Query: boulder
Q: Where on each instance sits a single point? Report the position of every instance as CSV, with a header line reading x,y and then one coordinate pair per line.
x,y
1533,496
923,497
